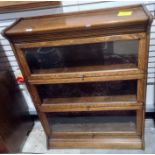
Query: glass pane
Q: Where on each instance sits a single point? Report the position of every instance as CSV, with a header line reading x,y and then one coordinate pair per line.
x,y
63,58
107,91
105,121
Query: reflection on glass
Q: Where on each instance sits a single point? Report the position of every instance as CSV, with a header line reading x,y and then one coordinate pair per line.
x,y
109,53
105,121
113,88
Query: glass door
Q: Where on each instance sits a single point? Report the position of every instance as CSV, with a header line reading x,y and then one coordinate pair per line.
x,y
98,123
86,57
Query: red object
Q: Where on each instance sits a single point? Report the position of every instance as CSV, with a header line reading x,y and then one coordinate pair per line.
x,y
20,80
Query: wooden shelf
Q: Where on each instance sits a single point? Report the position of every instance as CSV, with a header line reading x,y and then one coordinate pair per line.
x,y
87,73
76,70
89,103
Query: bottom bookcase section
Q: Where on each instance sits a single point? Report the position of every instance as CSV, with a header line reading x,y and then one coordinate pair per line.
x,y
104,129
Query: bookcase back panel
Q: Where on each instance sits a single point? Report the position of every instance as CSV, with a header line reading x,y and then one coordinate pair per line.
x,y
63,58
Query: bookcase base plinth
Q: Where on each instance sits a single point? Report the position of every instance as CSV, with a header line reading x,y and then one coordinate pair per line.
x,y
95,143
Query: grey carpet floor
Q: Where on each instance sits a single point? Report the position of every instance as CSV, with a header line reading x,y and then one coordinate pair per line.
x,y
36,143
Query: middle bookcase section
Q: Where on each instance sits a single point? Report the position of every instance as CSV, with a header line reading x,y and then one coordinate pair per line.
x,y
82,96
100,56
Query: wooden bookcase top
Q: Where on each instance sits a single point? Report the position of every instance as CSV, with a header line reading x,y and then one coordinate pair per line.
x,y
109,19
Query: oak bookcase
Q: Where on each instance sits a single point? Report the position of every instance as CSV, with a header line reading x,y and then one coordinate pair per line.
x,y
86,73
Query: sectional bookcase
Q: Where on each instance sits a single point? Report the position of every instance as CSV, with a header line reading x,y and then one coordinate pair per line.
x,y
86,73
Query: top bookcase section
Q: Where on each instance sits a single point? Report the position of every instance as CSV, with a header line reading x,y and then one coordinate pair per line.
x,y
84,46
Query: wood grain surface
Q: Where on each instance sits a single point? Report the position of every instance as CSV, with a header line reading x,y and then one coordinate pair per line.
x,y
81,28
15,6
